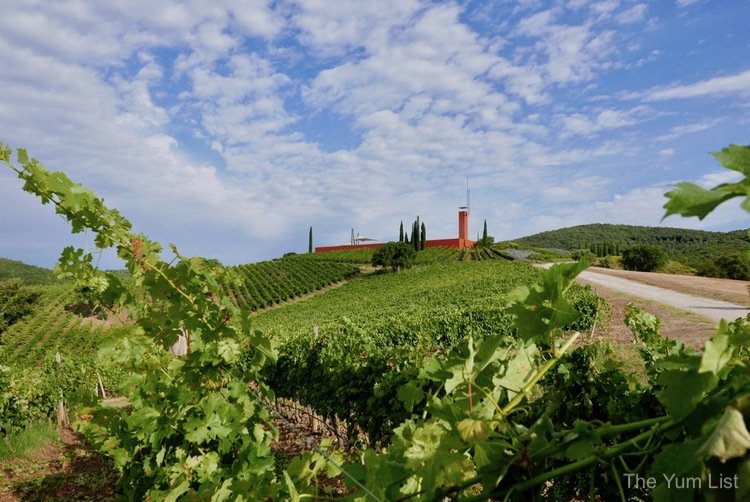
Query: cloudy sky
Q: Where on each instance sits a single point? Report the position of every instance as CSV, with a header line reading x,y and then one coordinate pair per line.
x,y
229,128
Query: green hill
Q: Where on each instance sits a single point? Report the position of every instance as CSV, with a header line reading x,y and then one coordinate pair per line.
x,y
31,274
702,250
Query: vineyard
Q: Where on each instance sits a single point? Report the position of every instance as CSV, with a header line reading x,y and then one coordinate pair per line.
x,y
459,380
264,284
391,321
55,326
425,257
52,327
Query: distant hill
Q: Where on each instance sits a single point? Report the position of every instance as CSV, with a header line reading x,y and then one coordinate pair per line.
x,y
698,249
30,274
581,236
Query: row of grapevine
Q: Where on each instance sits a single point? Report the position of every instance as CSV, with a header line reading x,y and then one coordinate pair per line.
x,y
436,255
267,283
50,328
425,257
373,336
53,326
360,256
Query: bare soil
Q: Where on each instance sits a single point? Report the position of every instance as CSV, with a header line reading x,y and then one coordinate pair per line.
x,y
728,290
71,470
690,329
64,470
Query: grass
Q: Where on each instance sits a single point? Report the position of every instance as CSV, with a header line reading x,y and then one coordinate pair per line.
x,y
20,444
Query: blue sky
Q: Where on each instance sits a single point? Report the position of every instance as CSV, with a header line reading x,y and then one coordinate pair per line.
x,y
230,129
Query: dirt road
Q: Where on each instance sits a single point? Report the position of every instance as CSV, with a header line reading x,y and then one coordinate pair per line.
x,y
713,310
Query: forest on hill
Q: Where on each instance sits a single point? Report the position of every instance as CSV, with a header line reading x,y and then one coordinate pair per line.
x,y
712,254
30,274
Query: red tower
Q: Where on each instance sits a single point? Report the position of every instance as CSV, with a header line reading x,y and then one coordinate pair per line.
x,y
463,226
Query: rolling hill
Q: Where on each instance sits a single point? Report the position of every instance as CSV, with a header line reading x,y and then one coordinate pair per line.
x,y
31,274
698,249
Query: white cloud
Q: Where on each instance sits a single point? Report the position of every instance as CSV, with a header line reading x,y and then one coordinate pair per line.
x,y
201,121
333,28
603,120
256,18
435,56
710,180
637,206
731,84
604,10
633,14
677,131
574,52
685,3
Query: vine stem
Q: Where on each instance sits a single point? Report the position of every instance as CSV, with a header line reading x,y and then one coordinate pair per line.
x,y
618,482
518,398
171,283
605,431
24,174
608,454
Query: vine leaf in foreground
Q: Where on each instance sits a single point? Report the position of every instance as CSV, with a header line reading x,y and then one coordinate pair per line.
x,y
730,438
689,199
543,308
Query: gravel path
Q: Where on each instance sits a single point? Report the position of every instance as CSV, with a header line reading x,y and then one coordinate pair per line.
x,y
713,310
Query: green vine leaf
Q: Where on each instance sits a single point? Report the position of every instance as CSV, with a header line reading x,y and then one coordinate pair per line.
x,y
543,308
729,439
683,390
688,199
473,431
718,351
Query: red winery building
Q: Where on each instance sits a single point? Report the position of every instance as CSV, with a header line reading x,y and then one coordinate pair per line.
x,y
461,242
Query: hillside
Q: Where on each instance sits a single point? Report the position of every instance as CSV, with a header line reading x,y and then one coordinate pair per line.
x,y
30,274
698,249
678,239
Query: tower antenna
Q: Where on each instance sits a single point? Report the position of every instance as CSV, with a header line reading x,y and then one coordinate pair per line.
x,y
468,193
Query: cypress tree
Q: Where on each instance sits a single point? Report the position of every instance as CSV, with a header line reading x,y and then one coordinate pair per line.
x,y
309,241
401,232
423,237
485,237
406,238
416,238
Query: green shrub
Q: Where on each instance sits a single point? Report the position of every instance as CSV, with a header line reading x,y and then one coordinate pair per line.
x,y
643,258
734,266
396,255
610,261
676,267
581,254
724,266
